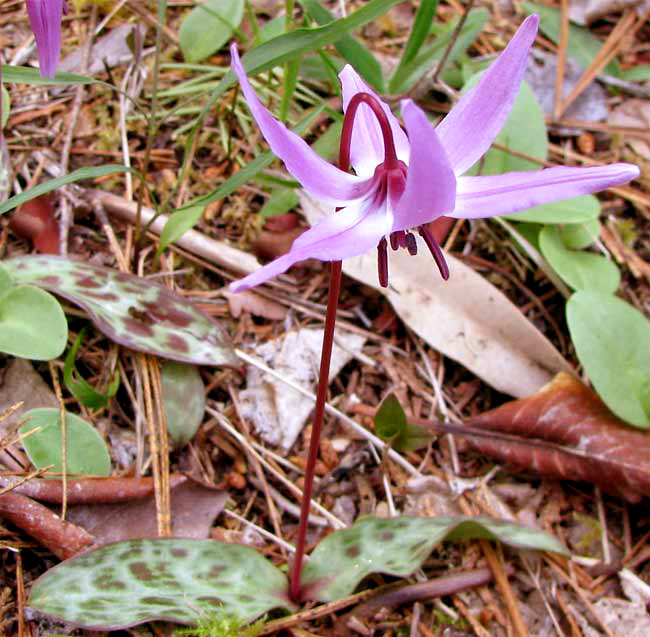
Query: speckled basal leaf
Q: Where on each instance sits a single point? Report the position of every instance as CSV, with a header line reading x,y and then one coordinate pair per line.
x,y
183,399
87,453
133,311
398,546
129,583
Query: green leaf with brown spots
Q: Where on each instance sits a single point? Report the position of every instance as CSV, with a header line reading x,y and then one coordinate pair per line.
x,y
130,310
171,579
399,546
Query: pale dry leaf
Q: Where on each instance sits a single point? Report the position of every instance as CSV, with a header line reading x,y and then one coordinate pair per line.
x,y
588,11
256,304
278,412
465,318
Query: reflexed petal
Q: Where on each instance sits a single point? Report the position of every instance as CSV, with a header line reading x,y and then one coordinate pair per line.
x,y
430,182
346,233
504,194
367,147
320,179
471,126
45,20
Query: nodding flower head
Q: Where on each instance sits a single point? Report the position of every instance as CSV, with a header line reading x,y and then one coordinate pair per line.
x,y
405,178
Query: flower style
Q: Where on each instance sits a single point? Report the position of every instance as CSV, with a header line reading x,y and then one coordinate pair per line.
x,y
45,19
405,179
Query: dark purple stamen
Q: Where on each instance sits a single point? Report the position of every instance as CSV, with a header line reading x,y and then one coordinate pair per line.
x,y
382,263
394,240
435,250
411,244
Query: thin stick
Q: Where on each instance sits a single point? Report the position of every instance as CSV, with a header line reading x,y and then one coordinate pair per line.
x,y
608,51
64,437
504,587
561,58
20,595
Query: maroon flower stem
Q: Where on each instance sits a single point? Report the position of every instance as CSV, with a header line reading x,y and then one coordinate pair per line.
x,y
319,413
390,160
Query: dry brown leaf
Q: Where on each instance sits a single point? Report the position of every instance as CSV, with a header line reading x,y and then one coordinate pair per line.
x,y
635,113
194,508
582,439
465,318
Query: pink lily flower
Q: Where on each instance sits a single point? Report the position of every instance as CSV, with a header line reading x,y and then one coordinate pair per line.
x,y
405,179
45,19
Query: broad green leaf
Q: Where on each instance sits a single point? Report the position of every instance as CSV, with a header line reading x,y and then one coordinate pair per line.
x,y
637,73
90,172
399,546
29,75
79,387
86,451
612,341
428,56
171,579
183,396
583,45
208,27
580,270
576,236
6,106
360,57
280,201
32,323
178,224
131,310
577,210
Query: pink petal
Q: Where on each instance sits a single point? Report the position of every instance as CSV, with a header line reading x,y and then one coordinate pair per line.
x,y
347,233
321,180
45,20
367,147
430,183
504,194
471,126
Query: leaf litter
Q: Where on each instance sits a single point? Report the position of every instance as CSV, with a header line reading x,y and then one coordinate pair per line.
x,y
389,360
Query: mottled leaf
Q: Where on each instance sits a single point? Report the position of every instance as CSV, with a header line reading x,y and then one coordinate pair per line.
x,y
566,432
87,452
183,400
398,546
612,341
32,323
132,311
137,581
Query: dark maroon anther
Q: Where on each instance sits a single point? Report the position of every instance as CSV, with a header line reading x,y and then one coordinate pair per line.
x,y
411,244
394,240
435,250
382,263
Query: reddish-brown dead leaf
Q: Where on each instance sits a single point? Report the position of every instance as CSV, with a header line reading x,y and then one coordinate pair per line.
x,y
35,220
194,508
569,434
271,245
256,304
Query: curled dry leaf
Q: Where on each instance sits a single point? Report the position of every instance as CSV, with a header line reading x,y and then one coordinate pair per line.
x,y
571,435
64,539
35,221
